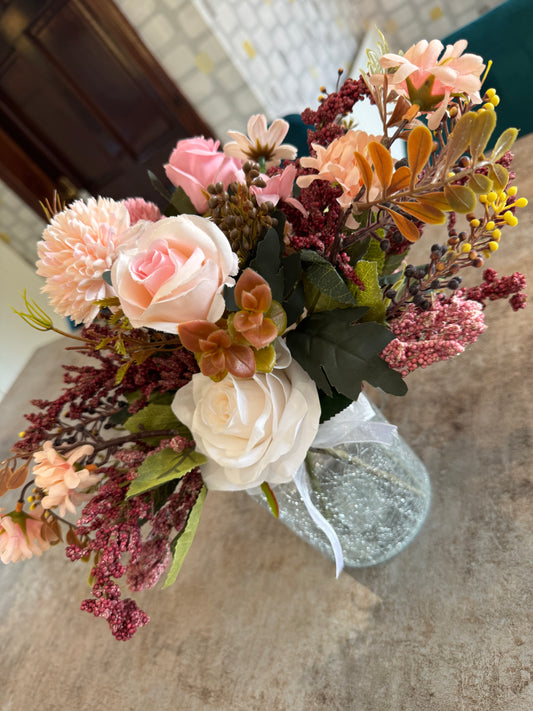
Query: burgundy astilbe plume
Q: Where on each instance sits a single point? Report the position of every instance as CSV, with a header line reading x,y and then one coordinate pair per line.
x,y
494,287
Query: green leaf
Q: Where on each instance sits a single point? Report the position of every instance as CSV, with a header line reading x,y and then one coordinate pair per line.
x,y
181,203
479,183
159,187
324,277
504,144
160,467
184,539
461,198
482,128
372,295
459,139
267,263
331,406
271,499
374,253
153,417
499,176
339,353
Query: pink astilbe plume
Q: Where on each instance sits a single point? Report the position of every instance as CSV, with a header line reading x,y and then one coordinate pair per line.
x,y
426,337
76,248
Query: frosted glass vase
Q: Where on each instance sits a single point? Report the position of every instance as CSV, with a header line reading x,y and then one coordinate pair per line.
x,y
375,495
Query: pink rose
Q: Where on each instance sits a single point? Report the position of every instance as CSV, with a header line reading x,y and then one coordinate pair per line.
x,y
195,163
172,271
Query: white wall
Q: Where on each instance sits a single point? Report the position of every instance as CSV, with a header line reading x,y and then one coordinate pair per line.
x,y
18,340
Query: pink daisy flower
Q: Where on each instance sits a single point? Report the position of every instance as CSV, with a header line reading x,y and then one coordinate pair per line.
x,y
60,479
140,209
20,537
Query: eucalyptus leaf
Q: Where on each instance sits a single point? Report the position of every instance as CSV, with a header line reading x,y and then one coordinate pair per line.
x,y
163,466
339,353
329,282
482,128
504,144
184,539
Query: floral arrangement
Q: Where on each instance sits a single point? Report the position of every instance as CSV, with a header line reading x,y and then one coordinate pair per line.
x,y
223,332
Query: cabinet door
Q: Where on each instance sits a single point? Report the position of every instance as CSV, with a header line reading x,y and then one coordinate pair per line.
x,y
83,101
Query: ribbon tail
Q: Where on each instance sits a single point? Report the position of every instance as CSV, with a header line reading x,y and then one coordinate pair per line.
x,y
302,484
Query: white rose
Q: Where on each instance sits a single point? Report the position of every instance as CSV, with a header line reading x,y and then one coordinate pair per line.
x,y
252,429
173,270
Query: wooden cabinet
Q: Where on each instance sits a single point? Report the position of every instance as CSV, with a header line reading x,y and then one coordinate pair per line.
x,y
83,104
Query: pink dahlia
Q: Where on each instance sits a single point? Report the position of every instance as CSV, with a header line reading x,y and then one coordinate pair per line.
x,y
77,247
20,537
336,164
140,209
429,78
59,478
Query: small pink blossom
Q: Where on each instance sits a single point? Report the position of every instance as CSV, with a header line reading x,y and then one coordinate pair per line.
x,y
59,478
196,163
426,337
20,537
261,143
429,81
140,209
76,248
278,187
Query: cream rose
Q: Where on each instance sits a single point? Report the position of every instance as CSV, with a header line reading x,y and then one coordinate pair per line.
x,y
253,429
172,271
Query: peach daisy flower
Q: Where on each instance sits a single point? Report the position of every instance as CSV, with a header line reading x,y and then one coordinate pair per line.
x,y
76,248
429,81
336,164
20,537
261,143
59,479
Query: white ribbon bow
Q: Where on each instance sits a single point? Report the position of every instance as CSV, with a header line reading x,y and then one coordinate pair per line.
x,y
351,425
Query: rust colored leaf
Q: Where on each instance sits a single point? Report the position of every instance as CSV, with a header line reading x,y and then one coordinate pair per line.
x,y
5,474
364,169
51,531
401,107
382,160
406,227
400,180
438,200
192,332
240,361
19,476
461,198
423,211
419,145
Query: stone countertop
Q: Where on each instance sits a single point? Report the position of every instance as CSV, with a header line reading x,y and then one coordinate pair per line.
x,y
257,620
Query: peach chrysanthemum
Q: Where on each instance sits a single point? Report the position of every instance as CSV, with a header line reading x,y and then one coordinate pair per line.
x,y
76,248
59,479
141,209
21,537
336,164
